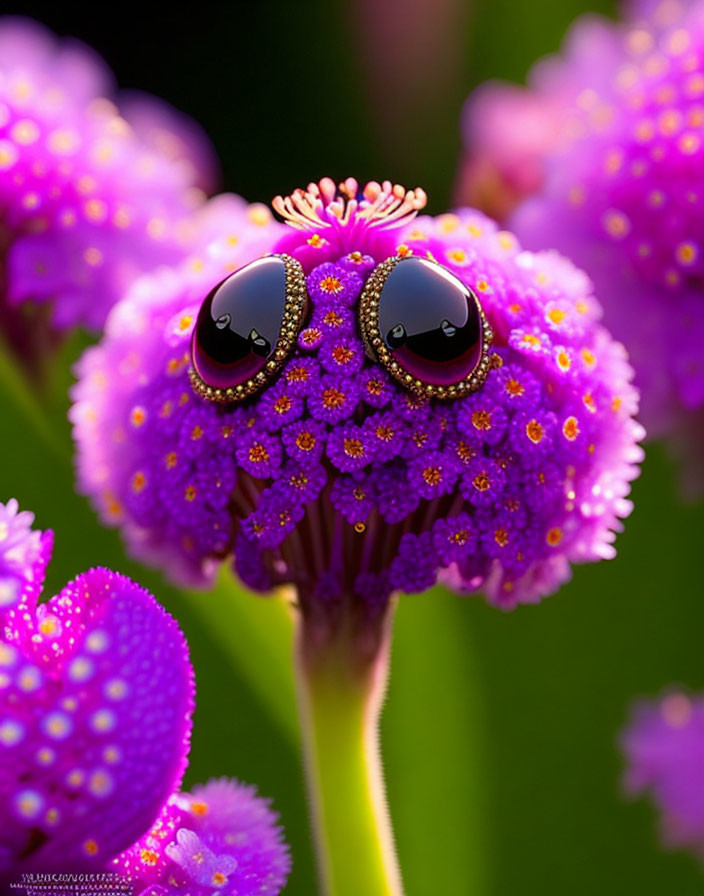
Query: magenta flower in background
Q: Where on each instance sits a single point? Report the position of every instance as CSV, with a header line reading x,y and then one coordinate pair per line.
x,y
96,717
507,131
93,190
96,696
664,748
616,187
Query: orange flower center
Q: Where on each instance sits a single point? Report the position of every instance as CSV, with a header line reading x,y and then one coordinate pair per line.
x,y
481,420
513,387
258,454
297,374
305,441
571,428
481,482
461,537
353,448
283,404
342,354
331,285
333,399
332,319
554,536
432,475
501,537
535,431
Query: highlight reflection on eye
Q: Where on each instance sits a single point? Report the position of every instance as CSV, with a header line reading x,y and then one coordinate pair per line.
x,y
247,327
426,327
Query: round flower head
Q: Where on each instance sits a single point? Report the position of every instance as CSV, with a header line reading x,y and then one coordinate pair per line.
x,y
617,189
664,748
96,695
338,473
220,838
90,194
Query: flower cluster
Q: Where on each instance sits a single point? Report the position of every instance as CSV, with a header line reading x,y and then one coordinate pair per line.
x,y
96,696
90,194
221,838
617,188
664,747
337,479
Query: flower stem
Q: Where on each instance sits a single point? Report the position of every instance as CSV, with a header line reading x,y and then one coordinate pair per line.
x,y
342,678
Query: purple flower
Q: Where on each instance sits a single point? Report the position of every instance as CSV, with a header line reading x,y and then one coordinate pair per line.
x,y
342,354
96,697
334,285
259,454
499,491
93,190
220,838
350,448
664,748
376,388
615,185
95,718
353,497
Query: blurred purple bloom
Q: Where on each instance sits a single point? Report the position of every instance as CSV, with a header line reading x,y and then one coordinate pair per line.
x,y
507,130
664,747
174,137
95,715
617,188
538,461
92,191
96,697
221,838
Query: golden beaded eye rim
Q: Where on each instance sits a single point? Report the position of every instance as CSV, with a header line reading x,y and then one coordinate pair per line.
x,y
376,348
295,311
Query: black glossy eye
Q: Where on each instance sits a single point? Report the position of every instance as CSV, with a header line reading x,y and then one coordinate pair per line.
x,y
426,327
246,327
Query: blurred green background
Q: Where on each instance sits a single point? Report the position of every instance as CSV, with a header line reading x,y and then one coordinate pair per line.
x,y
500,731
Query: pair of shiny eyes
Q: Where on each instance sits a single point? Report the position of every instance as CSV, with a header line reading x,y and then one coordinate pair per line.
x,y
416,318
